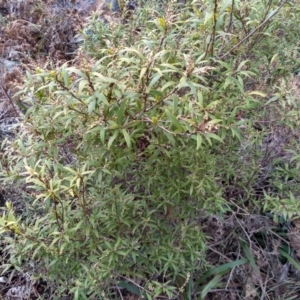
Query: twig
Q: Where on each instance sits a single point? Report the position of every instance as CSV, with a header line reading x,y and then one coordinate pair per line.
x,y
163,98
230,18
119,292
253,31
161,127
210,46
9,99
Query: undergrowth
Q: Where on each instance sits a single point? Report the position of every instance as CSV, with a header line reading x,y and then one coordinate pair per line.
x,y
165,164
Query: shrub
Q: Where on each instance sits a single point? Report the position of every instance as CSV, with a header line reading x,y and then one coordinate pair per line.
x,y
121,158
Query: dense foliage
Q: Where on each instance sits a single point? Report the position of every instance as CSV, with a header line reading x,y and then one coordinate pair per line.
x,y
180,113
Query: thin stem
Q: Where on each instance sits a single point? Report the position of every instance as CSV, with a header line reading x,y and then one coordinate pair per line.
x,y
256,29
163,98
210,46
9,99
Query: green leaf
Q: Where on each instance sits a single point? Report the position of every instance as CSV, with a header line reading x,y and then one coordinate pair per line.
x,y
121,112
223,268
208,17
213,136
128,50
156,93
272,99
228,81
76,294
236,132
102,134
169,84
111,139
240,84
127,138
143,71
154,80
103,78
113,124
249,256
199,141
289,258
242,64
208,139
76,71
133,255
171,67
130,287
212,283
82,84
91,106
66,78
174,121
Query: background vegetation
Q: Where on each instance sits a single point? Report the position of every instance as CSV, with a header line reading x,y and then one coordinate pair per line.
x,y
161,162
